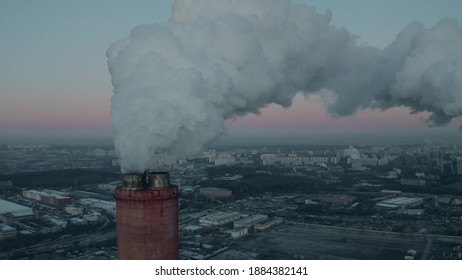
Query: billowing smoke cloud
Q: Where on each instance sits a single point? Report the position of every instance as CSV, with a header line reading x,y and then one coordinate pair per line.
x,y
175,83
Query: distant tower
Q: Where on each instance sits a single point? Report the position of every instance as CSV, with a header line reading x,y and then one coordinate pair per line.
x,y
147,217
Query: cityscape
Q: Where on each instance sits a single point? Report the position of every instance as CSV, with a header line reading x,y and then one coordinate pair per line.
x,y
288,202
275,133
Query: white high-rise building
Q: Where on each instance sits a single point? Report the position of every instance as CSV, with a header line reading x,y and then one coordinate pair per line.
x,y
459,165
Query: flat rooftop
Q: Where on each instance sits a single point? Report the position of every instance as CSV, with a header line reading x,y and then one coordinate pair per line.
x,y
221,215
14,209
402,200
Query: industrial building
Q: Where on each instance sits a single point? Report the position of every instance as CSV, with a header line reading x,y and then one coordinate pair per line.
x,y
7,232
399,202
10,212
147,217
74,210
239,232
413,181
78,221
191,229
219,218
108,206
92,217
57,222
336,199
50,197
110,187
411,212
269,223
216,192
250,220
84,194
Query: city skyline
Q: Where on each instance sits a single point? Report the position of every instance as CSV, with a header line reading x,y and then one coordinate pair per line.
x,y
54,79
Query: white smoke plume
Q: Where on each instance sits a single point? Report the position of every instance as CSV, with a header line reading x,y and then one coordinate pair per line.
x,y
175,83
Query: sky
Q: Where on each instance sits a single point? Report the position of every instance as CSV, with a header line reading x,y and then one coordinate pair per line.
x,y
54,82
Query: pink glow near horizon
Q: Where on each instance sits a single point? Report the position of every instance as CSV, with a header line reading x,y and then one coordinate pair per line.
x,y
310,114
55,112
87,112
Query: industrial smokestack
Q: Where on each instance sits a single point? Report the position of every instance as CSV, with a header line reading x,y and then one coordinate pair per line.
x,y
147,217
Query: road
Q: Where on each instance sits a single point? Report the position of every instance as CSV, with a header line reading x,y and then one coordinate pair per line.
x,y
426,250
48,246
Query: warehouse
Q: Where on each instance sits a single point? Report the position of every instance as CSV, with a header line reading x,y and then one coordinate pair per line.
x,y
7,232
216,192
250,221
50,197
399,202
219,218
108,206
269,223
9,212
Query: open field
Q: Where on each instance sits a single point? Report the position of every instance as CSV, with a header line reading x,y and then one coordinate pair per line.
x,y
307,241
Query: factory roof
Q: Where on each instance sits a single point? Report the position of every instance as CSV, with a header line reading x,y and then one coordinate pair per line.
x,y
248,221
387,205
55,220
96,202
191,228
52,193
5,228
397,202
221,215
84,194
15,209
402,200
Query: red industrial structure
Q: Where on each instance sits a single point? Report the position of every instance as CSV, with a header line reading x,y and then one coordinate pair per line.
x,y
147,217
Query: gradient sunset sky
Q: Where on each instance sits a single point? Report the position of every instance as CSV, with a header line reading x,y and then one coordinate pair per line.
x,y
54,78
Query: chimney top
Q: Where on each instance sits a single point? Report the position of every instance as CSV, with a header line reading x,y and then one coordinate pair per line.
x,y
158,180
133,181
136,181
